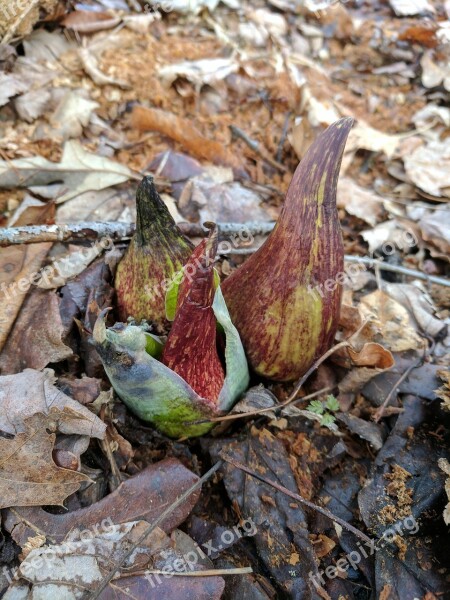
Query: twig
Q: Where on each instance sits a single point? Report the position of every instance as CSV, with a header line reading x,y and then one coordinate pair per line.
x,y
206,573
91,230
105,581
259,411
380,410
365,260
283,137
257,148
297,497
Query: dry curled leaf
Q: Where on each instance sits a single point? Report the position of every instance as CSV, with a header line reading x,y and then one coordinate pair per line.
x,y
428,167
18,265
90,65
395,323
365,363
358,201
416,300
28,474
88,21
36,339
30,392
80,170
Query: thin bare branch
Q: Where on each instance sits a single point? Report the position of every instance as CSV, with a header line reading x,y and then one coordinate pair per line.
x,y
90,230
297,497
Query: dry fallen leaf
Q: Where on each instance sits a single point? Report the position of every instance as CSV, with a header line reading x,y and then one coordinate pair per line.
x,y
71,264
152,490
80,170
195,6
393,233
28,474
364,136
88,21
36,338
11,85
205,199
90,65
103,205
358,201
199,72
435,228
434,72
18,265
32,211
396,326
428,167
72,113
445,466
444,391
416,300
405,8
301,136
78,565
371,360
30,392
40,66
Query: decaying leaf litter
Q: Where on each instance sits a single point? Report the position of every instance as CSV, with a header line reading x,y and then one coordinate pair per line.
x,y
219,102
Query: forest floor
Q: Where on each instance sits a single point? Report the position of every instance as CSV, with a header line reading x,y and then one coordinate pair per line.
x,y
219,101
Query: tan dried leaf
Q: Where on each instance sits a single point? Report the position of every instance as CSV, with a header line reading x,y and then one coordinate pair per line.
x,y
435,228
358,201
417,301
31,392
444,391
70,569
428,167
80,170
370,361
17,266
395,324
36,339
28,474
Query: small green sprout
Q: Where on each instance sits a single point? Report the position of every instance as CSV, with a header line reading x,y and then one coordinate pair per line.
x,y
331,403
316,406
325,409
